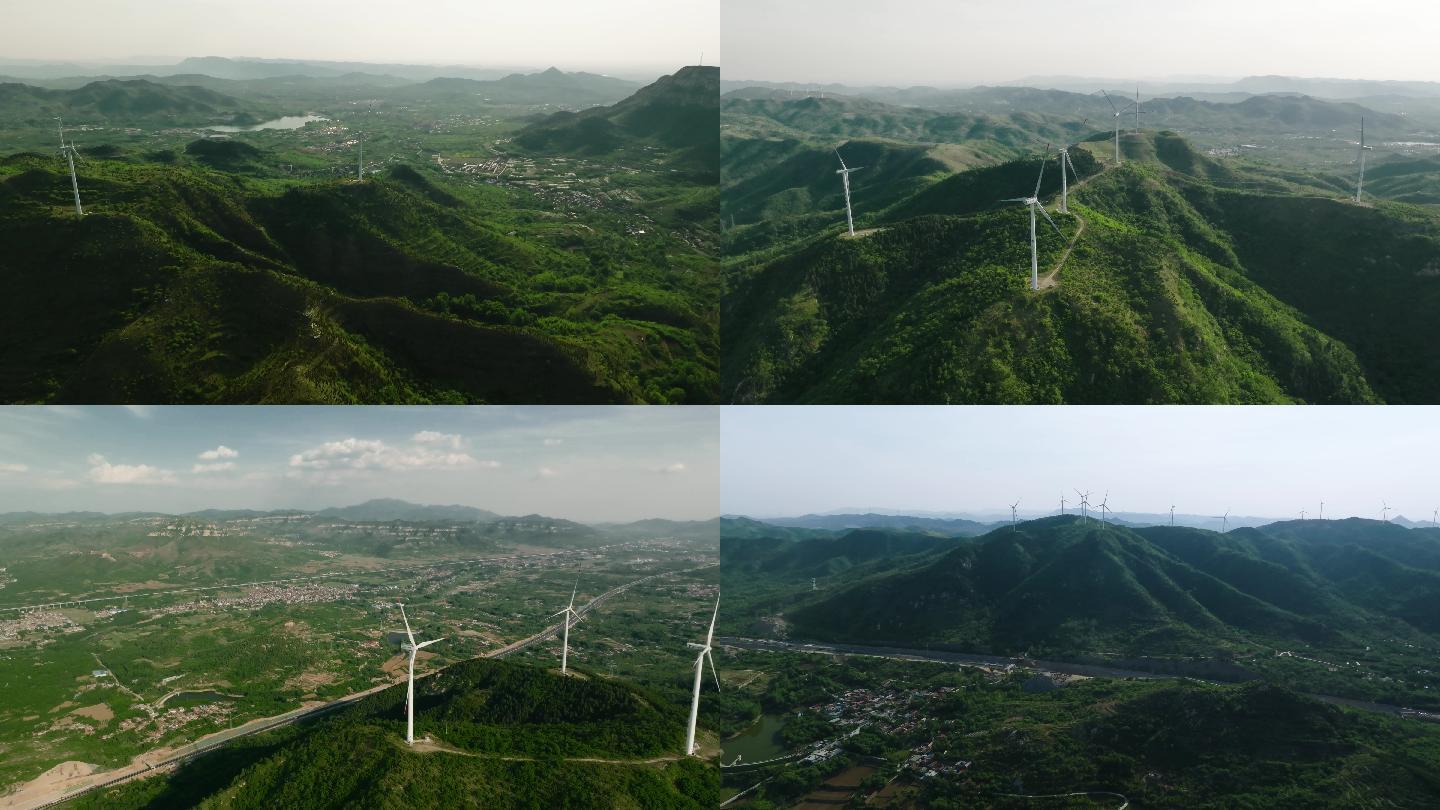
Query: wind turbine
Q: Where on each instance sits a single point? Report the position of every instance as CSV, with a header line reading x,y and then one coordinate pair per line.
x,y
570,616
1033,202
1062,503
1322,511
1012,512
1064,177
1385,512
844,172
1360,183
1302,514
410,689
1225,522
68,150
1172,514
1084,503
1104,507
1435,517
699,672
1118,112
1138,111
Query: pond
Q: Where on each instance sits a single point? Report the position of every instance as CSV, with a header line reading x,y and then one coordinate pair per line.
x,y
287,122
757,743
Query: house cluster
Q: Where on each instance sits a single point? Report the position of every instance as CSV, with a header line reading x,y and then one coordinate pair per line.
x,y
261,595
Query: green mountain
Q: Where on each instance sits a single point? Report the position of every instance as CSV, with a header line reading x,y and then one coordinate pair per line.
x,y
501,735
1181,744
127,102
1176,278
679,112
197,278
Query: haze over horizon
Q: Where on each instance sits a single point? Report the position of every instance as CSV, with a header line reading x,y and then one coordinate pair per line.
x,y
618,36
584,463
1252,461
951,43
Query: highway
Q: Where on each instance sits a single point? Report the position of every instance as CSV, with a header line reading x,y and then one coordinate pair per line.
x,y
142,766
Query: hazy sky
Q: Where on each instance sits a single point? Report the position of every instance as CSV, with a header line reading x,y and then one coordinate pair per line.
x,y
581,463
963,42
1260,461
570,34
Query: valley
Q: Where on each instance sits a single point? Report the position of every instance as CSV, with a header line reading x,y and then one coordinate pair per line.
x,y
139,643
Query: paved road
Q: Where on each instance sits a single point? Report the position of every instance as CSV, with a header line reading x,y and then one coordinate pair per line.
x,y
143,766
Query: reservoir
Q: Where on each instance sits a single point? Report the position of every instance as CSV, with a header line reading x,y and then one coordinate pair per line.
x,y
757,743
287,122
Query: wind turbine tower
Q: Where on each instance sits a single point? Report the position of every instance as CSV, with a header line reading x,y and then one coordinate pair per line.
x,y
700,660
1064,176
844,172
410,688
1062,503
1322,511
68,150
1012,513
1033,202
570,616
1104,507
1084,503
1385,512
1360,183
1118,113
1172,514
1225,522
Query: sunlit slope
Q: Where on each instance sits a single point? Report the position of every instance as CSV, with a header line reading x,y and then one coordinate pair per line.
x,y
188,284
1193,281
500,735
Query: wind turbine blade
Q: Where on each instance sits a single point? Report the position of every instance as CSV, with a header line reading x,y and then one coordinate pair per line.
x,y
1111,100
1038,180
711,659
1016,199
422,645
1072,165
711,634
574,591
406,619
842,160
1051,221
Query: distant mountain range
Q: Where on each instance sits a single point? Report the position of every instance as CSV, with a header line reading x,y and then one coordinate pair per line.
x,y
388,510
1250,85
126,101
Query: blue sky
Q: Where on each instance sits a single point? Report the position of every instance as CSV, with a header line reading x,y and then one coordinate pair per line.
x,y
582,463
1261,461
962,42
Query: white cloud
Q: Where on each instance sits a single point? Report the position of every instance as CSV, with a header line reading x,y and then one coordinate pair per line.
x,y
546,472
103,472
554,442
366,454
434,437
218,453
219,466
13,468
671,469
